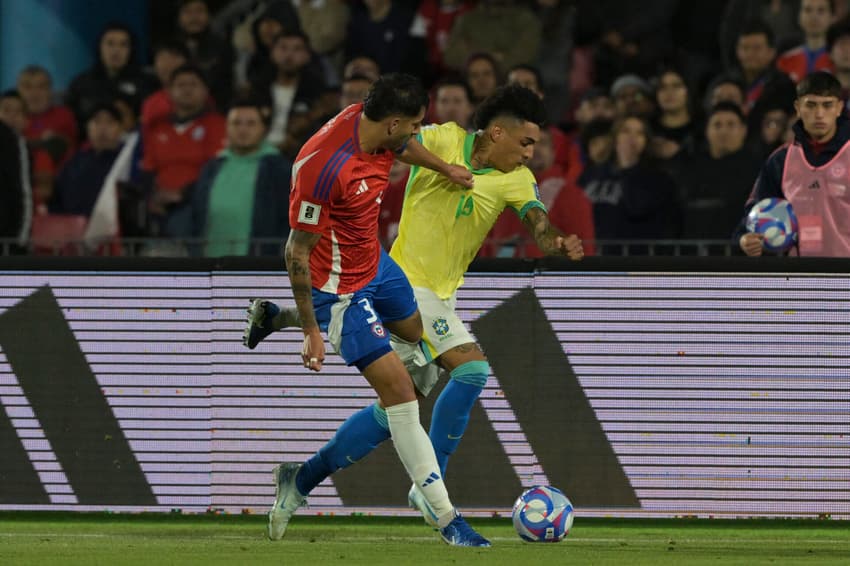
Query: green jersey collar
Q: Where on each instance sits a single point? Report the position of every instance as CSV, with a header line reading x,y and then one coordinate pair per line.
x,y
467,156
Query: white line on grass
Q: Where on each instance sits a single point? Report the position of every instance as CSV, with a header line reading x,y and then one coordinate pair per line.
x,y
435,538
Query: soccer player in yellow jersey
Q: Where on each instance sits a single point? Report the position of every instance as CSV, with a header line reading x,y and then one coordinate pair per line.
x,y
441,230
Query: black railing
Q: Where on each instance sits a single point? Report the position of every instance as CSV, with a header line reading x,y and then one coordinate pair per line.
x,y
263,247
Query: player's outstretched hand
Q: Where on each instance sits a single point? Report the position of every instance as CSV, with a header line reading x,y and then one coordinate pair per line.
x,y
460,175
313,351
570,246
751,243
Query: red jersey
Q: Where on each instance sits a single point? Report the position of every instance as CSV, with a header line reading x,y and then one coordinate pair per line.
x,y
175,153
57,119
433,22
155,108
799,62
336,192
158,107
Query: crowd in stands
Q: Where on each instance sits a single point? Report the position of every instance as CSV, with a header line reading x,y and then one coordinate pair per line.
x,y
661,113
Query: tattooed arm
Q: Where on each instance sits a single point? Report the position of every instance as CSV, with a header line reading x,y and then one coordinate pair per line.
x,y
549,240
298,248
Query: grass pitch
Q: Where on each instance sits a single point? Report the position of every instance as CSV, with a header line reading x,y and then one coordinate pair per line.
x,y
46,539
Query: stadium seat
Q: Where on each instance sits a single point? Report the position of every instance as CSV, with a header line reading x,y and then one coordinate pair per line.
x,y
58,234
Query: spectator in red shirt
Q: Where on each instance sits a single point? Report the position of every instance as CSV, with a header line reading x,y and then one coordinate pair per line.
x,y
432,24
814,18
51,128
176,149
570,211
167,58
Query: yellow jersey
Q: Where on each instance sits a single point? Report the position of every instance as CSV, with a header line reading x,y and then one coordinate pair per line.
x,y
443,225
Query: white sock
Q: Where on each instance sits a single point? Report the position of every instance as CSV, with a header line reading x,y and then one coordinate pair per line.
x,y
417,454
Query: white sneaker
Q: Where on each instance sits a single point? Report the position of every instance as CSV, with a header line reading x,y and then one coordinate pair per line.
x,y
286,499
417,501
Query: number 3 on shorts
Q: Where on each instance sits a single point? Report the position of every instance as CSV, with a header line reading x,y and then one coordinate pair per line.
x,y
368,308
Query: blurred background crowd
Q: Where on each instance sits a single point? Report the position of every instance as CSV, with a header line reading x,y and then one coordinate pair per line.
x,y
661,114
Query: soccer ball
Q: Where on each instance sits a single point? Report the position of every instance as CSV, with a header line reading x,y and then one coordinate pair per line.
x,y
775,219
542,514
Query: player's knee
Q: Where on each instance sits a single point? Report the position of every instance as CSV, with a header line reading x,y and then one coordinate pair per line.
x,y
473,373
397,391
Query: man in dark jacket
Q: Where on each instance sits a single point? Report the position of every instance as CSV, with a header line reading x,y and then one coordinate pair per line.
x,y
13,214
81,179
812,173
296,93
241,195
715,181
213,54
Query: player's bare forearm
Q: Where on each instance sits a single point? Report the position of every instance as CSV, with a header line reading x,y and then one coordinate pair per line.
x,y
417,154
548,239
297,256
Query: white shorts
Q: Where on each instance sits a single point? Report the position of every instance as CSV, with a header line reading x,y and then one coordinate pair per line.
x,y
443,331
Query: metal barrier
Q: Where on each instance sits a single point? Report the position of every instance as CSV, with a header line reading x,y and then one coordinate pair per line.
x,y
263,247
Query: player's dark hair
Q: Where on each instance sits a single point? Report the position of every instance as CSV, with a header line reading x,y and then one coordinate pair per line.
x,y
512,101
395,94
819,83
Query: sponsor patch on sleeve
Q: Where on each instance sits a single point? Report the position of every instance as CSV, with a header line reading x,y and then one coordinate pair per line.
x,y
309,213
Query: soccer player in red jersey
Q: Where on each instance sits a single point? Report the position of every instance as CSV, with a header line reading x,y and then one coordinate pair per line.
x,y
345,284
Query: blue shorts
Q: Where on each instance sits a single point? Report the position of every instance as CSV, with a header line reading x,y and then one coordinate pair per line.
x,y
354,322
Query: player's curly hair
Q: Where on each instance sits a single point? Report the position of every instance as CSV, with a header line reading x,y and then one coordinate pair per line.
x,y
513,101
395,94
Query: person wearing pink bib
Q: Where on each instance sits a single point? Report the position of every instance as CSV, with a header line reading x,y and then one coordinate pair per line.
x,y
812,173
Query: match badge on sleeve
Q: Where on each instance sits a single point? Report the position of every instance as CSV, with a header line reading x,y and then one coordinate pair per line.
x,y
309,213
536,191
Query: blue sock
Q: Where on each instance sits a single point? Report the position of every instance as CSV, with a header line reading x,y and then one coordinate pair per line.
x,y
358,435
451,411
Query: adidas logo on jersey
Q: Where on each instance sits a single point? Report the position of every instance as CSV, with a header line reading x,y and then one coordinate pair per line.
x,y
362,188
814,185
